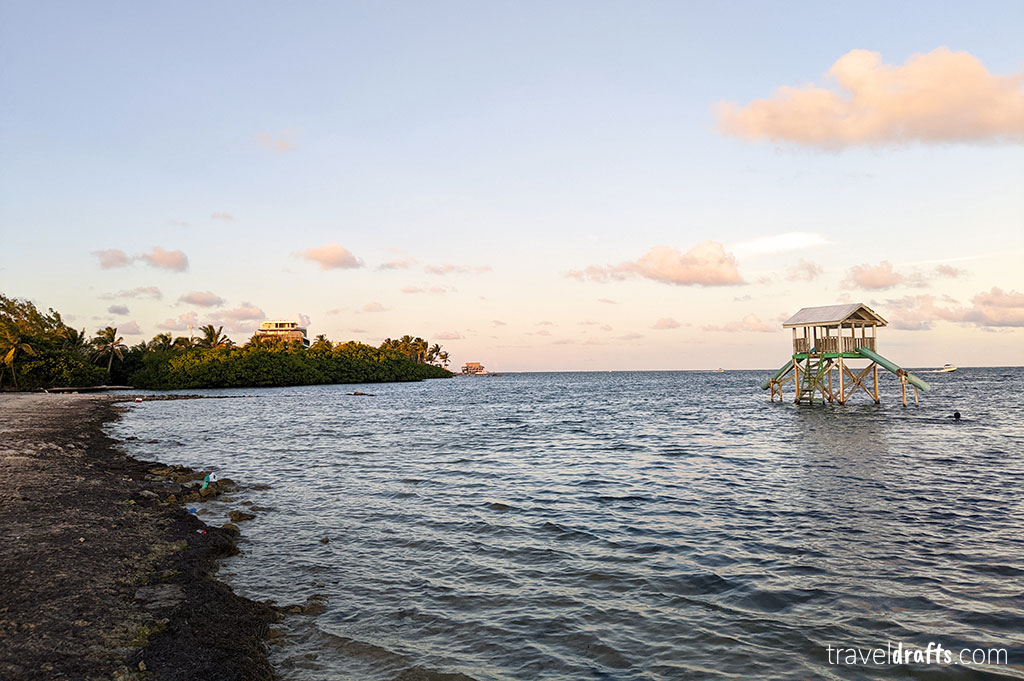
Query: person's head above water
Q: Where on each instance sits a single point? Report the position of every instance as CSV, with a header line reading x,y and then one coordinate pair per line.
x,y
956,416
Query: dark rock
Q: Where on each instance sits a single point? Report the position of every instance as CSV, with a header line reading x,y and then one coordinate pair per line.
x,y
239,516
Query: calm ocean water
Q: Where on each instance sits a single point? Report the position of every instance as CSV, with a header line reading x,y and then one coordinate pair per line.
x,y
650,525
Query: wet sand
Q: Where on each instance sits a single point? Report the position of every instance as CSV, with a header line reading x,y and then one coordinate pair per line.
x,y
103,574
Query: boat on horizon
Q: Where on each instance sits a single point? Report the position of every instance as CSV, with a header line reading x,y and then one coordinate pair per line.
x,y
946,369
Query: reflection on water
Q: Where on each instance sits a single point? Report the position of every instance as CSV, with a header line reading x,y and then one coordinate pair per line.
x,y
612,525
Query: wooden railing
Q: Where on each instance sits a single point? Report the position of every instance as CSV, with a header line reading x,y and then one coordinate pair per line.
x,y
833,344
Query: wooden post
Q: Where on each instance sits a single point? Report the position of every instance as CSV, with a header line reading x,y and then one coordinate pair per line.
x,y
875,369
903,386
796,372
916,403
842,383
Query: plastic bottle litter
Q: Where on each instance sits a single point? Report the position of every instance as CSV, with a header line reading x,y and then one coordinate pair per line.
x,y
191,510
211,477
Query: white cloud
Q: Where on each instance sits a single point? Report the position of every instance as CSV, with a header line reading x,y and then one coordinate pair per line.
x,y
777,243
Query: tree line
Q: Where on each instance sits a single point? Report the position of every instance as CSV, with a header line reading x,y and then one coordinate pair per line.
x,y
38,350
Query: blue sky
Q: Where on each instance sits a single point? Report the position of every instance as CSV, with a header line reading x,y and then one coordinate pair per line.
x,y
517,142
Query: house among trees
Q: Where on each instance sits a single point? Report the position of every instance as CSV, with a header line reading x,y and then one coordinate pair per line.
x,y
277,329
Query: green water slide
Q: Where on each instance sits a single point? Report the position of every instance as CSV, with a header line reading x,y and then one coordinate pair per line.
x,y
783,370
894,368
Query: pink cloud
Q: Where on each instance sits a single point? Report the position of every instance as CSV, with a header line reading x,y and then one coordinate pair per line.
x,y
607,301
331,257
804,270
629,336
181,323
140,292
425,289
244,312
988,309
118,309
222,216
497,322
112,257
665,323
130,328
398,264
278,144
949,271
941,96
176,261
456,269
374,307
706,264
873,277
448,335
750,323
202,299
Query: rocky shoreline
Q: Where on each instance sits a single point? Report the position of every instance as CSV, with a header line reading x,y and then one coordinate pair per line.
x,y
103,574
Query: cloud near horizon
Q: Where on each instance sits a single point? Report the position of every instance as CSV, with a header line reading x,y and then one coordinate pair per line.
x,y
222,216
332,256
880,277
397,264
706,264
938,97
994,308
751,323
118,309
373,307
448,268
202,299
665,323
448,335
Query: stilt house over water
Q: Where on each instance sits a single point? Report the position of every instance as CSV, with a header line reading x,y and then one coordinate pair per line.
x,y
825,341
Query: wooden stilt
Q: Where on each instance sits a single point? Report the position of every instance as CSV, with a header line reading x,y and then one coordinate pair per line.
x,y
842,383
875,369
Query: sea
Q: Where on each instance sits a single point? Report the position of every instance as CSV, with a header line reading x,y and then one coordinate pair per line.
x,y
619,525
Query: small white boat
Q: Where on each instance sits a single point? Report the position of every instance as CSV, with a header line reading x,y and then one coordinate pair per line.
x,y
946,369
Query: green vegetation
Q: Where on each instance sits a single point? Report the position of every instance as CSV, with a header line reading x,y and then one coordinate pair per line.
x,y
40,351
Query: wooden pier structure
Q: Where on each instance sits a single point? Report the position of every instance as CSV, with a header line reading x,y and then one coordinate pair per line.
x,y
825,341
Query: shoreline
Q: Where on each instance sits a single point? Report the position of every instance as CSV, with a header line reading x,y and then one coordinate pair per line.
x,y
105,574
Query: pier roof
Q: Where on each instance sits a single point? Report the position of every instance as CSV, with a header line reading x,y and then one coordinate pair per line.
x,y
833,315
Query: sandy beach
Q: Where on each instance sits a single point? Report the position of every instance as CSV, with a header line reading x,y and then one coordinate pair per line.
x,y
103,573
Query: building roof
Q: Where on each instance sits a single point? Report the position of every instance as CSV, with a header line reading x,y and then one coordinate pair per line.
x,y
828,315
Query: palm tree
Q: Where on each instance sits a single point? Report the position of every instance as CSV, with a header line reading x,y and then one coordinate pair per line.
x,y
161,343
433,353
443,356
11,344
108,344
75,341
212,338
183,343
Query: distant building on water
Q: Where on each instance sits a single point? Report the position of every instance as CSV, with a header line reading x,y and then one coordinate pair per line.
x,y
279,329
474,369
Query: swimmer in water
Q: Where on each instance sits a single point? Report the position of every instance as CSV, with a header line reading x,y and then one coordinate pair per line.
x,y
956,416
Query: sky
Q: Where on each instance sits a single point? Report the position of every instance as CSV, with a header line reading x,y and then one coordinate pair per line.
x,y
534,185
